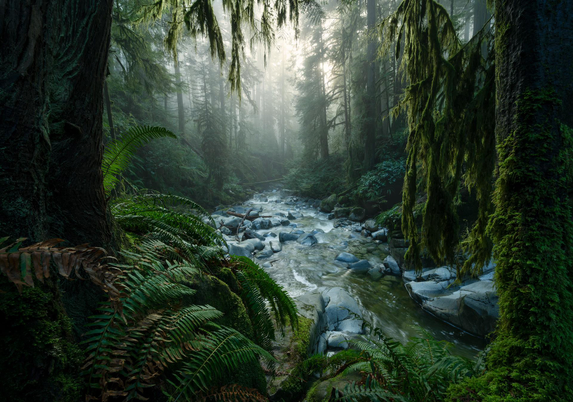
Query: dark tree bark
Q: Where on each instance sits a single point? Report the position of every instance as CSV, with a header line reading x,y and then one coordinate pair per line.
x,y
532,225
52,70
370,124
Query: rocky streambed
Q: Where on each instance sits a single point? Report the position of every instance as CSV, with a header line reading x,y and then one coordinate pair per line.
x,y
342,275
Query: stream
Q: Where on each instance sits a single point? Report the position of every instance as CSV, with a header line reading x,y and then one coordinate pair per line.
x,y
303,269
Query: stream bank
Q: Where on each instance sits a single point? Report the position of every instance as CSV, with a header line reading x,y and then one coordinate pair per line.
x,y
340,273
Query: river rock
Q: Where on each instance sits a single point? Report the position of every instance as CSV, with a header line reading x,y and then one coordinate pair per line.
x,y
275,222
361,266
370,225
422,291
376,272
251,234
262,223
381,235
346,258
231,222
285,222
438,274
473,307
343,212
256,244
392,265
327,205
240,250
340,307
226,231
276,246
307,239
265,253
284,236
254,214
357,214
293,215
336,340
312,306
270,234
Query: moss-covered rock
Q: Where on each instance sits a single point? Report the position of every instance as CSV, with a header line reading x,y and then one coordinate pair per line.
x,y
328,204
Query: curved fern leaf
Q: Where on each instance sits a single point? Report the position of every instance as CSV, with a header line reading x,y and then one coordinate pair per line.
x,y
118,154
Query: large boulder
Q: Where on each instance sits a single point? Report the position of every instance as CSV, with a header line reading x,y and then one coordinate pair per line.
x,y
342,311
231,222
439,274
327,205
276,246
473,307
241,250
422,291
343,212
357,214
251,234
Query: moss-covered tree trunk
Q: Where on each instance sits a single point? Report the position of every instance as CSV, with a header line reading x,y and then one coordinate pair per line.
x,y
52,70
371,85
532,355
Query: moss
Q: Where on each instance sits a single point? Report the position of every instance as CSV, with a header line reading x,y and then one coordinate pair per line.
x,y
39,360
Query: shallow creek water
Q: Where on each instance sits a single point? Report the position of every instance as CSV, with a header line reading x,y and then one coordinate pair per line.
x,y
302,269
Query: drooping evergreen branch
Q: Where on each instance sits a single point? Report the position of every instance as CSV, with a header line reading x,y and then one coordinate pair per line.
x,y
450,104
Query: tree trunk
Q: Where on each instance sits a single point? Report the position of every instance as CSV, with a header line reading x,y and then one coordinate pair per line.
x,y
180,106
107,101
532,226
52,70
324,151
370,123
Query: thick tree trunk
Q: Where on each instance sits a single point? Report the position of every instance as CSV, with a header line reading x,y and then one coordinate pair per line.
x,y
52,70
324,151
371,116
532,226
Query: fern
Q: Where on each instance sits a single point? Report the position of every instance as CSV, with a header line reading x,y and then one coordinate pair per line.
x,y
150,328
281,304
118,154
422,370
171,219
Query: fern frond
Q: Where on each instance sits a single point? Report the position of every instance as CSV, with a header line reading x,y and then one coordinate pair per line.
x,y
231,393
118,154
281,303
217,353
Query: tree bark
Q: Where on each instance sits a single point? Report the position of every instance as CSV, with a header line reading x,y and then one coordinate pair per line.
x,y
180,106
532,225
52,70
370,124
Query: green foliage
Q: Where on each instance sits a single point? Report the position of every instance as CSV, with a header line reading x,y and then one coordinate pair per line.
x,y
153,327
422,370
257,289
175,220
118,154
450,104
317,179
200,19
382,181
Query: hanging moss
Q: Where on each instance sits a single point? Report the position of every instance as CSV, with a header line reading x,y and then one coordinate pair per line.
x,y
39,360
450,104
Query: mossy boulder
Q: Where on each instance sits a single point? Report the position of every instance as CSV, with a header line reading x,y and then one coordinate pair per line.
x,y
328,204
357,214
322,390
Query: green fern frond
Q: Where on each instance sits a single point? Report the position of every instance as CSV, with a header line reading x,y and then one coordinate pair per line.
x,y
215,354
280,302
118,154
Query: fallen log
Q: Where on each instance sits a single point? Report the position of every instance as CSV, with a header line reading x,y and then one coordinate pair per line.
x,y
244,216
